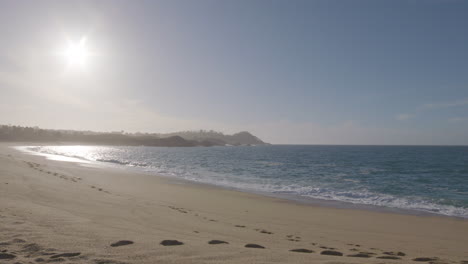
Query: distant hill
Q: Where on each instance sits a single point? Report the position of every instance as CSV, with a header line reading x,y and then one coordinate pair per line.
x,y
218,138
179,139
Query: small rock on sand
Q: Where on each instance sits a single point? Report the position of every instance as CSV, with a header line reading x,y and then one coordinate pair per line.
x,y
331,253
302,250
171,243
253,246
216,242
121,243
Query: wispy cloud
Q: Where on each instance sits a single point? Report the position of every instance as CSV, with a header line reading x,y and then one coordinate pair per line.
x,y
346,132
458,119
446,104
402,117
8,64
436,105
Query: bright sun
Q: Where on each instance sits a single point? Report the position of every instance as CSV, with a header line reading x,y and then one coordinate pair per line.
x,y
76,53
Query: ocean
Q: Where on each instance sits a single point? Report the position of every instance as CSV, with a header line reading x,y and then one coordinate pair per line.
x,y
420,179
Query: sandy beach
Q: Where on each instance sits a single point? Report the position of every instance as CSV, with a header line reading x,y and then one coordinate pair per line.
x,y
55,211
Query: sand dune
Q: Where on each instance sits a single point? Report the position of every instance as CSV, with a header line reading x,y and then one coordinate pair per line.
x,y
52,211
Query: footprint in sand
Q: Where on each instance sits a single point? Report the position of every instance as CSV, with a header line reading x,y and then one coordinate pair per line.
x,y
263,231
324,247
171,243
331,253
253,246
31,248
180,210
121,243
7,256
108,261
388,257
302,250
401,254
360,255
48,253
425,259
65,255
217,242
294,239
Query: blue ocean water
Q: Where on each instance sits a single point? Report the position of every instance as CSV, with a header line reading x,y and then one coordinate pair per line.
x,y
421,178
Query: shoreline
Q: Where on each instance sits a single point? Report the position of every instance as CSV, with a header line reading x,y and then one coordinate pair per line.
x,y
288,197
74,208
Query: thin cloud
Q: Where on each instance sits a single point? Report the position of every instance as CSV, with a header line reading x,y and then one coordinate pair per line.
x,y
446,104
402,117
436,105
9,65
458,119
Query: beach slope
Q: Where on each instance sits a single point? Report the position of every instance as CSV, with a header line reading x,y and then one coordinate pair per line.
x,y
53,211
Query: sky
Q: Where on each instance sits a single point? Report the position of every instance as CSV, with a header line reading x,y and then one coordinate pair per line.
x,y
290,72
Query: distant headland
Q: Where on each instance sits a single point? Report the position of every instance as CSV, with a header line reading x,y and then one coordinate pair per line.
x,y
10,133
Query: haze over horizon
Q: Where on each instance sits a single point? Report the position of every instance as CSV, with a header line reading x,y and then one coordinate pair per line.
x,y
291,72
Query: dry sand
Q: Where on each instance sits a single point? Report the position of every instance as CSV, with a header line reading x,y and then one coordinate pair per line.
x,y
48,208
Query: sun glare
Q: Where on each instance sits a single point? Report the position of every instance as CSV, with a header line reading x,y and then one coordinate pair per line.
x,y
76,53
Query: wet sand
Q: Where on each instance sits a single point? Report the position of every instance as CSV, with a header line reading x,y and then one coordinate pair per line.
x,y
53,211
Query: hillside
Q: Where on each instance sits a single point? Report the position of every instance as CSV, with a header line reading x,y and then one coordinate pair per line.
x,y
179,139
241,138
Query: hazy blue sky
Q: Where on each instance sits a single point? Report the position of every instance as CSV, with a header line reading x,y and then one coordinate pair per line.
x,y
319,72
